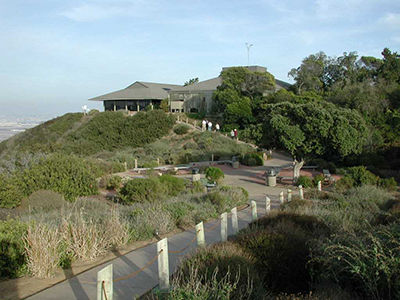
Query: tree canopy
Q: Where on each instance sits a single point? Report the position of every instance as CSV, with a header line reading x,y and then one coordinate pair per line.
x,y
191,81
240,95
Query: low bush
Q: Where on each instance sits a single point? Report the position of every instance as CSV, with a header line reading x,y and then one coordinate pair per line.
x,y
252,159
114,182
216,263
173,184
93,112
318,178
12,257
142,190
181,212
366,262
305,181
389,184
343,184
68,175
214,174
181,129
217,199
44,201
361,176
10,193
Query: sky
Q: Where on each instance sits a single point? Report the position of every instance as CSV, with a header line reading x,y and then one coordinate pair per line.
x,y
54,55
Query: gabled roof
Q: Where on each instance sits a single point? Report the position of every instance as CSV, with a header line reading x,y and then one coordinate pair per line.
x,y
139,90
213,83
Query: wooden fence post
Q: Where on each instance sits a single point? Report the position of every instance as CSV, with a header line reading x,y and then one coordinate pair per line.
x,y
105,275
235,226
267,205
135,163
281,199
163,265
158,161
212,157
289,195
319,186
254,210
201,241
224,227
301,192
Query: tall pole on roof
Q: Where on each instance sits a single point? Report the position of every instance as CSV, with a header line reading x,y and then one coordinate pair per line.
x,y
248,53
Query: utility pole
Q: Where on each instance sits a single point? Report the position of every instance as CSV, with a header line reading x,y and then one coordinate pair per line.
x,y
248,53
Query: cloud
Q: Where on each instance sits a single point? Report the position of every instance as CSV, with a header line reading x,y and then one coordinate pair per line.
x,y
101,11
391,19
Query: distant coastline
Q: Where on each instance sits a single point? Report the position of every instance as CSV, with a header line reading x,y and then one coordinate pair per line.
x,y
10,126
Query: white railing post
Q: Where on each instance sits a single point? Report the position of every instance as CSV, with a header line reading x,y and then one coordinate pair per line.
x,y
135,163
158,161
235,225
281,199
163,265
105,275
212,157
267,205
201,241
319,186
224,227
254,210
301,192
289,195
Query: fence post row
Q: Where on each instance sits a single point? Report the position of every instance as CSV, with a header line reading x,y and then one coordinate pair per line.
x,y
105,283
235,226
224,227
163,265
254,210
267,205
201,241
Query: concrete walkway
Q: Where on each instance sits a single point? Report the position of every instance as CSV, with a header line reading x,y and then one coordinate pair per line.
x,y
84,286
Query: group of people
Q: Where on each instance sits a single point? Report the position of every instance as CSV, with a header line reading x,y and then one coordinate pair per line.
x,y
234,134
208,125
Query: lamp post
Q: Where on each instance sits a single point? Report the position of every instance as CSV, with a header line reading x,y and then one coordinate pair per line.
x,y
248,53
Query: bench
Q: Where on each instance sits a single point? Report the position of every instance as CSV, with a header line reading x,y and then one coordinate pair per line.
x,y
282,178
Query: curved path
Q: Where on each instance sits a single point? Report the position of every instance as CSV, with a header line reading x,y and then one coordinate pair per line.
x,y
83,285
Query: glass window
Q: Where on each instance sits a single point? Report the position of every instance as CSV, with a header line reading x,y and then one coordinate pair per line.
x,y
109,105
120,104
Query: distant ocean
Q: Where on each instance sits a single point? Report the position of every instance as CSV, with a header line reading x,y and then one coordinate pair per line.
x,y
10,126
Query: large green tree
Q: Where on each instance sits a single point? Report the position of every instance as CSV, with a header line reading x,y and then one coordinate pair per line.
x,y
240,94
313,129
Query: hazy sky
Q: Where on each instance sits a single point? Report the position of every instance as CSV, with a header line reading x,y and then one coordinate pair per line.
x,y
54,55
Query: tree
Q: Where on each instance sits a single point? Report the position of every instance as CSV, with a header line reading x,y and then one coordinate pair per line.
x,y
164,105
313,129
240,94
191,81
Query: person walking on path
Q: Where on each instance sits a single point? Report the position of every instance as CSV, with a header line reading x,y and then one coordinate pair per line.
x,y
209,126
232,134
217,127
236,134
203,125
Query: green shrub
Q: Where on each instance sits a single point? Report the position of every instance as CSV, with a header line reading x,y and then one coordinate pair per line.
x,y
181,129
362,176
214,174
43,201
173,184
305,181
12,258
142,190
318,178
252,159
93,112
214,263
366,262
180,212
217,199
68,175
10,194
390,184
197,187
343,184
114,182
